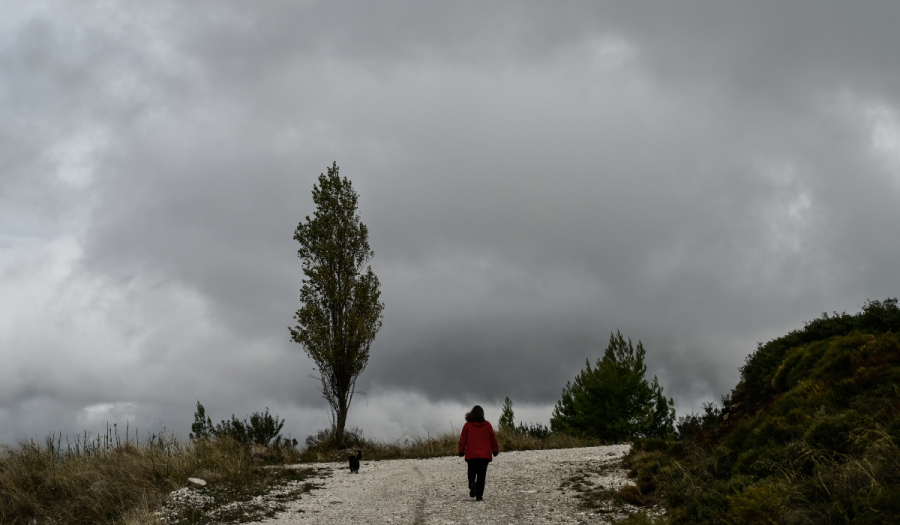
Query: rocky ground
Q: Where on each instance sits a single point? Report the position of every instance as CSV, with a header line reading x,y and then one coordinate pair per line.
x,y
541,486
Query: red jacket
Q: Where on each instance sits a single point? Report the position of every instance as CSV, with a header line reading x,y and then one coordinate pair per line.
x,y
478,440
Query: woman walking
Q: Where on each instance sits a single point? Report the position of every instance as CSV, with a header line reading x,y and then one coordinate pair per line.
x,y
478,444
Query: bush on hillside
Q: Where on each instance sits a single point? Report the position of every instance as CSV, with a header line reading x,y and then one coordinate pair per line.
x,y
755,389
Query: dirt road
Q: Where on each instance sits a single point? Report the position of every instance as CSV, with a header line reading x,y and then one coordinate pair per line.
x,y
522,487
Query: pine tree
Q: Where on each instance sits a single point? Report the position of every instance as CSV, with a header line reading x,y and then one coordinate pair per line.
x,y
507,421
613,400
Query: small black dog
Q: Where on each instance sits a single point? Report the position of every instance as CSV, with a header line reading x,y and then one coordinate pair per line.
x,y
354,462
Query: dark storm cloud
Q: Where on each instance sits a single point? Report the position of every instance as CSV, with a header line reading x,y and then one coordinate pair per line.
x,y
699,177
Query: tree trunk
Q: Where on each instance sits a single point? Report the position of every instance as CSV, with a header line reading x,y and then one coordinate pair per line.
x,y
340,422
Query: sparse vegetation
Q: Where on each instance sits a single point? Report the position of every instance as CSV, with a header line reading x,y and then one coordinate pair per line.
x,y
110,479
261,495
321,448
106,480
507,425
260,429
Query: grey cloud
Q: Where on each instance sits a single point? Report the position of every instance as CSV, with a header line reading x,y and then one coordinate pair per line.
x,y
699,177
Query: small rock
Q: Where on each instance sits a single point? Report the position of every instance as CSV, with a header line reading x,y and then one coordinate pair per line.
x,y
197,481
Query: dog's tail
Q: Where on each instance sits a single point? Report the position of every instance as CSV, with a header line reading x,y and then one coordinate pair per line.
x,y
359,454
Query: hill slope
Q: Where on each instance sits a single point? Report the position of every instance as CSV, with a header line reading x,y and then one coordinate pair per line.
x,y
809,435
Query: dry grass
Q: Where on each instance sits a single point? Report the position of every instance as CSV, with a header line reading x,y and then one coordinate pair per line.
x,y
520,441
446,444
107,481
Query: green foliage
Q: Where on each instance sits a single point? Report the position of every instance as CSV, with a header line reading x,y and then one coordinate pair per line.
x,y
755,389
534,430
261,429
202,428
832,432
705,426
341,312
508,426
809,435
613,401
760,503
507,417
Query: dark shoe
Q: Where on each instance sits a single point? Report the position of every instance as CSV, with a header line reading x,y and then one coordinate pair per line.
x,y
478,499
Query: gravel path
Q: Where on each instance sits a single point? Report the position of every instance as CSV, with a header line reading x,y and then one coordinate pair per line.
x,y
522,487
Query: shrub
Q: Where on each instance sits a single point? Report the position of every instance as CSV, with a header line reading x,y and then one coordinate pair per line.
x,y
757,504
703,428
832,433
261,429
534,430
507,424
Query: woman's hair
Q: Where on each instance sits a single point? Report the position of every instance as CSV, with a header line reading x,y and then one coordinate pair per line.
x,y
476,415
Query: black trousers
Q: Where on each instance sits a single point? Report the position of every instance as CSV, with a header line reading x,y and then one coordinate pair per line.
x,y
477,472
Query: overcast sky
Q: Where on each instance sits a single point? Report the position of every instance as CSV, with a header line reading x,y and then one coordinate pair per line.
x,y
702,176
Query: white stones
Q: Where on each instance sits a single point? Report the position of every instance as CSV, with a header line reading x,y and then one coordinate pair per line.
x,y
522,487
197,481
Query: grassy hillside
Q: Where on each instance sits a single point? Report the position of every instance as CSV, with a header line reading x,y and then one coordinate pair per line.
x,y
809,435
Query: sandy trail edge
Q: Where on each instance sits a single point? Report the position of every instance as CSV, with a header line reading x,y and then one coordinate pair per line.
x,y
522,487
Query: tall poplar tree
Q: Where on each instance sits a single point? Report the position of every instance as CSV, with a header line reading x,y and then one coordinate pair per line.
x,y
340,311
